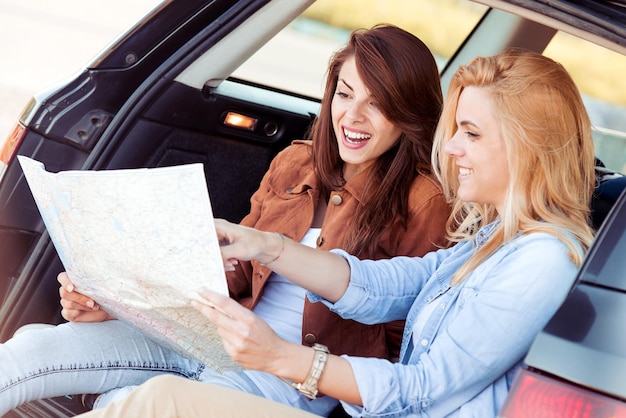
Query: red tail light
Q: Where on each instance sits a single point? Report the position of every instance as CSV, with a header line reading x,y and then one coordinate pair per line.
x,y
537,396
11,143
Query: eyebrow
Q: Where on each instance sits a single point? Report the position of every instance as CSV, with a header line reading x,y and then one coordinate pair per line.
x,y
468,122
347,85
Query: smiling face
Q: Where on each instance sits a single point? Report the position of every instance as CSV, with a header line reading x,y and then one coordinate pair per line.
x,y
479,151
363,132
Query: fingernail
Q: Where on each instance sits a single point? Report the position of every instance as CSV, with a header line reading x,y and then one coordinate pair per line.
x,y
70,288
90,303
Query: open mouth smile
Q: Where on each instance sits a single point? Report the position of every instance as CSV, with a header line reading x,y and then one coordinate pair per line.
x,y
355,137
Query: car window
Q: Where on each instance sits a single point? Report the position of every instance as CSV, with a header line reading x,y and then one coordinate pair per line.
x,y
308,42
295,60
599,74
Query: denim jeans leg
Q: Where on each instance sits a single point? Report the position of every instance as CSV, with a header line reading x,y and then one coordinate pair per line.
x,y
75,358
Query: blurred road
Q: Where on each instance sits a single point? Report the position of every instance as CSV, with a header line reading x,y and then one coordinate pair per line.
x,y
43,42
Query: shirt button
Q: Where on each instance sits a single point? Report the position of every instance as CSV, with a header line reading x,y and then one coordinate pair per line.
x,y
424,342
336,200
320,241
309,339
443,305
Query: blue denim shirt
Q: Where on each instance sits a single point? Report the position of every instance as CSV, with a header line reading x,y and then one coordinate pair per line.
x,y
462,360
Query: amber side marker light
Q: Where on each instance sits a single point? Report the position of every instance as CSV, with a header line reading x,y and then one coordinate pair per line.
x,y
237,120
10,144
536,396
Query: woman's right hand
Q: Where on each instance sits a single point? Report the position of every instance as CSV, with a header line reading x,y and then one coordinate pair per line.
x,y
76,306
321,272
239,242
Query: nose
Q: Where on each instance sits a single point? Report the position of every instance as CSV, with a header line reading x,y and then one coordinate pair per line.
x,y
453,147
356,111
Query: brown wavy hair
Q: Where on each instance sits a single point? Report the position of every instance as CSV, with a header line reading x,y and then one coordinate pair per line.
x,y
401,74
547,136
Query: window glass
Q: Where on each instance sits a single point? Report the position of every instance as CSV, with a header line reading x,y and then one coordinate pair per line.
x,y
608,264
296,59
599,74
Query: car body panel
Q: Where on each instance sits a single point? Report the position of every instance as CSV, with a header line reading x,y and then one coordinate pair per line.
x,y
585,342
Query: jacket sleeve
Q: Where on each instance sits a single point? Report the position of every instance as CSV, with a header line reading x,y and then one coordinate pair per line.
x,y
240,280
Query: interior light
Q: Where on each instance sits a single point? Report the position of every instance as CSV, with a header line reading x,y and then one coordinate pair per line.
x,y
237,120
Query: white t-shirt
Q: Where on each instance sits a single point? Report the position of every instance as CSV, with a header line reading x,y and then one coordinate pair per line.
x,y
281,306
282,302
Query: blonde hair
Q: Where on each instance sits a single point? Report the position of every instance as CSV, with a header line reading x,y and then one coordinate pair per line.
x,y
547,136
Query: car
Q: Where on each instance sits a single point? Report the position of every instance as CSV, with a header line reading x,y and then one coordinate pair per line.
x,y
162,94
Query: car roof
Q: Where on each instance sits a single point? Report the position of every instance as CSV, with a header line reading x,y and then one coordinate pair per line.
x,y
599,21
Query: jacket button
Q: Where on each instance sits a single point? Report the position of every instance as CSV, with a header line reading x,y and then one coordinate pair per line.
x,y
336,199
320,241
309,339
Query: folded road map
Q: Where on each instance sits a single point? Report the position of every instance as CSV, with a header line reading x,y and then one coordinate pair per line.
x,y
140,242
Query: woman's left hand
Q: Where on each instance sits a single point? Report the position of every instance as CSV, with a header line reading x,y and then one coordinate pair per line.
x,y
247,338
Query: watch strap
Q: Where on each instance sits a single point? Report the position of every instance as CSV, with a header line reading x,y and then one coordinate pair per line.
x,y
309,387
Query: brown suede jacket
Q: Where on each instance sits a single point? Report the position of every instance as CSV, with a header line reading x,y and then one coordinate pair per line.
x,y
285,202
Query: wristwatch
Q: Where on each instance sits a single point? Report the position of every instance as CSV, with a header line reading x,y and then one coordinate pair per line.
x,y
309,387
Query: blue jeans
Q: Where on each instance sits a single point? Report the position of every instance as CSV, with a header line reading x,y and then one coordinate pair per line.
x,y
75,358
